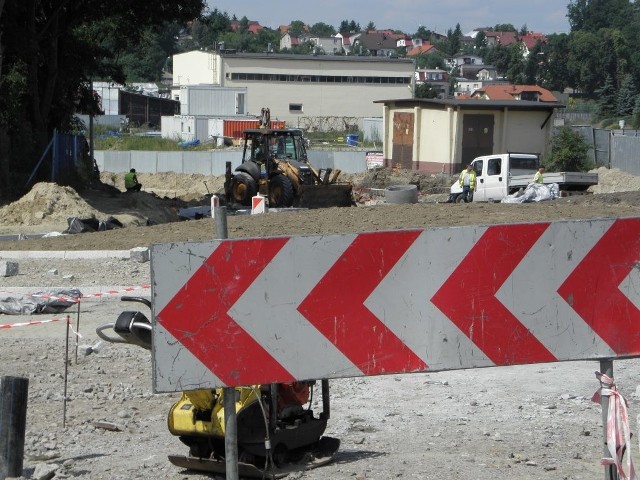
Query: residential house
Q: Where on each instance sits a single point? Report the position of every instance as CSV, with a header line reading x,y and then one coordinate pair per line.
x,y
252,27
501,38
425,48
463,59
326,45
348,40
439,136
437,78
380,43
530,39
531,93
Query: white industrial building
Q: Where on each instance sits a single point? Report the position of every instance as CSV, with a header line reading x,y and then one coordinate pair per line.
x,y
323,91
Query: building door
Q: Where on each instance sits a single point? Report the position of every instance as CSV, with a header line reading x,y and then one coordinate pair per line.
x,y
477,137
402,153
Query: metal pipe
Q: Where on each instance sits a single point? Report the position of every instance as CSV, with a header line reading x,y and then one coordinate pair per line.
x,y
610,472
230,434
13,420
229,393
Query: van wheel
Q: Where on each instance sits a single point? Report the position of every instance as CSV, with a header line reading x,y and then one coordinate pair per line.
x,y
460,198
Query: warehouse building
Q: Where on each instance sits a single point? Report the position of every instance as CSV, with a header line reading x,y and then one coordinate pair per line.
x,y
324,92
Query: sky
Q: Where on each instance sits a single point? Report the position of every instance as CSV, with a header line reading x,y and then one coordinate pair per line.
x,y
545,16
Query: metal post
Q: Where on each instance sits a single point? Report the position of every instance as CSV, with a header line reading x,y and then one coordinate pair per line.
x,y
610,472
220,214
230,419
230,434
77,332
13,420
66,371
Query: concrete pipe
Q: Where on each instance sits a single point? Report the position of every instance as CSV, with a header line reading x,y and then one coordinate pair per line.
x,y
397,194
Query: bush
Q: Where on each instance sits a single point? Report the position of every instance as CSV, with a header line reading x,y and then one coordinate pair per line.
x,y
568,152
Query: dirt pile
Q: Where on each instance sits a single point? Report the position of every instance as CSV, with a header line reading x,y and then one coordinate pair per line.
x,y
615,180
47,203
187,186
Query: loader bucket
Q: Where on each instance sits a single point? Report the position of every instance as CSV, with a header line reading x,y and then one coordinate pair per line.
x,y
325,196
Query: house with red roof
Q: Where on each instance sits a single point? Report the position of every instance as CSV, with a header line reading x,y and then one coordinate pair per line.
x,y
253,27
424,49
531,93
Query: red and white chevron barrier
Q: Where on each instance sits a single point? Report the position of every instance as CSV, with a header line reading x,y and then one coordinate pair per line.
x,y
249,311
92,295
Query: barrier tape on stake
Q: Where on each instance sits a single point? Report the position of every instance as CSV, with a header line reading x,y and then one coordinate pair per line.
x,y
618,431
93,295
26,324
40,322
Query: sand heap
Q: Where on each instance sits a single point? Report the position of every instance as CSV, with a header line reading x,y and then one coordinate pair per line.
x,y
46,203
615,180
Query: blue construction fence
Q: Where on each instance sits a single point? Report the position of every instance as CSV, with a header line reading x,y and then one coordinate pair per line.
x,y
65,151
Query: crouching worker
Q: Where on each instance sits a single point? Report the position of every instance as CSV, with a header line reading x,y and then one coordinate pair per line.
x,y
131,181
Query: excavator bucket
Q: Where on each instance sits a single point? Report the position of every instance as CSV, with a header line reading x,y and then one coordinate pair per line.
x,y
325,196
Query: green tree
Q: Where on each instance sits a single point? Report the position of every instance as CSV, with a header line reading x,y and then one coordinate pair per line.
x,y
52,50
207,30
516,71
480,41
553,73
568,152
505,27
370,26
607,96
626,97
583,61
431,60
636,112
296,27
453,42
425,90
423,33
147,61
322,29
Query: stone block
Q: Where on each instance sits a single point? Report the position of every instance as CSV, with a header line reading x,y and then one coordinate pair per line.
x,y
8,269
139,254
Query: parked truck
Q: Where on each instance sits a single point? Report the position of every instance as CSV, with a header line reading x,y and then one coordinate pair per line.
x,y
500,175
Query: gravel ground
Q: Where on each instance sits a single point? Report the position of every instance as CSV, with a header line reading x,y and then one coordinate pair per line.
x,y
526,422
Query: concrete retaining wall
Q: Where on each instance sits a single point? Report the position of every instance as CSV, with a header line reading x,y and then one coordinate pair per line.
x,y
213,163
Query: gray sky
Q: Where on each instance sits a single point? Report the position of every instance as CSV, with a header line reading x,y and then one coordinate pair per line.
x,y
546,16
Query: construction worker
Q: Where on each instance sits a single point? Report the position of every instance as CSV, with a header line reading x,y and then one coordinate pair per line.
x,y
537,178
468,183
131,181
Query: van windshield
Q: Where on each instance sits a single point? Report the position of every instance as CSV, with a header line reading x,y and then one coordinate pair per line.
x,y
523,165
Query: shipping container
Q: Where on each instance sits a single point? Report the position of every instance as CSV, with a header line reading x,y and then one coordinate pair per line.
x,y
185,128
212,100
235,128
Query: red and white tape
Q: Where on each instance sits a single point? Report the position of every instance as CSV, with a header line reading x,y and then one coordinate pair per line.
x,y
40,322
93,295
618,430
26,324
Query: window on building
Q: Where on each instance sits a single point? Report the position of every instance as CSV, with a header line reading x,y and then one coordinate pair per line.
x,y
295,108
